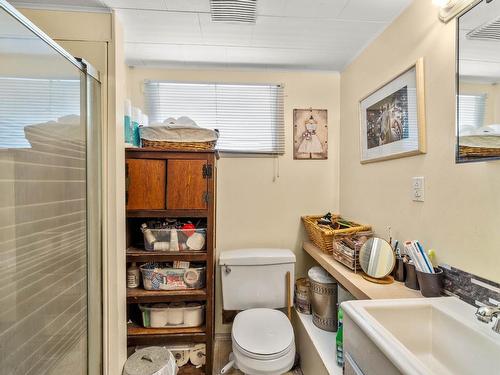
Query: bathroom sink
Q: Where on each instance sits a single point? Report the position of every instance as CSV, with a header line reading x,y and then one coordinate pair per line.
x,y
427,336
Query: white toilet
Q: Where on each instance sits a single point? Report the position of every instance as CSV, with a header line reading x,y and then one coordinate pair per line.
x,y
254,282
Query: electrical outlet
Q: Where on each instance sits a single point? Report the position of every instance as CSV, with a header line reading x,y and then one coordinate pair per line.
x,y
418,189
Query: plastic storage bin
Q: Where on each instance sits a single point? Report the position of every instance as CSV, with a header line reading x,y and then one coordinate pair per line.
x,y
162,315
158,276
175,239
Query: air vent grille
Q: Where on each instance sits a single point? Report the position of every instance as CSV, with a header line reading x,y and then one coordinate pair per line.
x,y
241,11
487,31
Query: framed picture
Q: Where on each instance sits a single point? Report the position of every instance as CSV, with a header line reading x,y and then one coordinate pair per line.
x,y
310,134
392,118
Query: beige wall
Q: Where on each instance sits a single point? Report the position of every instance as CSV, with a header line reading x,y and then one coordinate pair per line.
x,y
252,209
461,213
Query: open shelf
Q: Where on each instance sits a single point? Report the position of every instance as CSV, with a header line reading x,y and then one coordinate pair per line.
x,y
167,213
139,295
135,254
355,283
155,336
191,370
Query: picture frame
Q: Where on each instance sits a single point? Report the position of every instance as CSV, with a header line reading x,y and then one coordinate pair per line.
x,y
392,117
310,134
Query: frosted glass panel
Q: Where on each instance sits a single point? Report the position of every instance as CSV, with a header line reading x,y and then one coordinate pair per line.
x,y
44,225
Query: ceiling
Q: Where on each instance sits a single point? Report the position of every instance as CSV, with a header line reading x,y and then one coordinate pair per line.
x,y
479,59
288,34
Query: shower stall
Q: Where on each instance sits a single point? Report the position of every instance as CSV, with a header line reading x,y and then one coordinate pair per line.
x,y
50,205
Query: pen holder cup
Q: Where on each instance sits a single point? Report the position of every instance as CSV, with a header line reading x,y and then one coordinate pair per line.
x,y
411,280
399,272
431,284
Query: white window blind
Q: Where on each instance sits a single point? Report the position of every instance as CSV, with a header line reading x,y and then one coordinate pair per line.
x,y
249,118
471,111
26,101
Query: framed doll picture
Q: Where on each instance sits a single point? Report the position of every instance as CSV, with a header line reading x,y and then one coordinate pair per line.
x,y
310,134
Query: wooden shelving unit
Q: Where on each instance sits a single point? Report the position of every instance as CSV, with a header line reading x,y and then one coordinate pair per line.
x,y
135,254
151,296
178,185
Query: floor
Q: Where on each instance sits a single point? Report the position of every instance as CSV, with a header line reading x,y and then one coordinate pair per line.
x,y
223,349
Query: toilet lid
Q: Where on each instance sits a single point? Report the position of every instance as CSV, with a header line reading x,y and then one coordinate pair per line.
x,y
262,331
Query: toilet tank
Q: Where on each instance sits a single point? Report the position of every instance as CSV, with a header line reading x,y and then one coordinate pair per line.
x,y
254,278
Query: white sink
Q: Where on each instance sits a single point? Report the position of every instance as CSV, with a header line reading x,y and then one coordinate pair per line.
x,y
427,336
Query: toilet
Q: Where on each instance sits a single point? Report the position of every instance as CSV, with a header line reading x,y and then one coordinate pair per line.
x,y
254,283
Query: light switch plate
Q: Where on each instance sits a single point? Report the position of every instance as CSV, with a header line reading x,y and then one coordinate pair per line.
x,y
418,189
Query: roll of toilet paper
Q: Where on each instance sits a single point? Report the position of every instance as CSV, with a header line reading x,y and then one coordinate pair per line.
x,y
161,246
176,313
181,356
193,315
198,355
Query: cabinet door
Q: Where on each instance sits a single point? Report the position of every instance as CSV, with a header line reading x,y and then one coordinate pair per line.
x,y
146,184
187,184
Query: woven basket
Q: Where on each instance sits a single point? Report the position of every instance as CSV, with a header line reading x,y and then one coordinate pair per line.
x,y
479,151
322,236
179,146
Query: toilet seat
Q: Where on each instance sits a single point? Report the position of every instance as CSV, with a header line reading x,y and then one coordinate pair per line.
x,y
262,334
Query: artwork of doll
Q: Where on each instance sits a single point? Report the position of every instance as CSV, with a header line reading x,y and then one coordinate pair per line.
x,y
310,140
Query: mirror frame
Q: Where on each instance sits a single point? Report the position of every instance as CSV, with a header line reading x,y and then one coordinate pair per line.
x,y
458,158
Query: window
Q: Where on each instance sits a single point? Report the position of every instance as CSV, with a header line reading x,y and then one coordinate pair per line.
x,y
249,118
471,111
27,101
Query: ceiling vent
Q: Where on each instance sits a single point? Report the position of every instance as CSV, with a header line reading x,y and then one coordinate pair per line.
x,y
241,11
488,31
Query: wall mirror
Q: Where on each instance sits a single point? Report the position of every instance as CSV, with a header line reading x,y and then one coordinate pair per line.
x,y
478,82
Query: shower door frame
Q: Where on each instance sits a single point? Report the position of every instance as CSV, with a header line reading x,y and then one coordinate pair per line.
x,y
95,360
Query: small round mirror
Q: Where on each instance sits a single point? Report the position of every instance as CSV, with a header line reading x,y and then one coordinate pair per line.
x,y
377,258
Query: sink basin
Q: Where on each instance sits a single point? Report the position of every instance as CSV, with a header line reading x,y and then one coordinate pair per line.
x,y
426,336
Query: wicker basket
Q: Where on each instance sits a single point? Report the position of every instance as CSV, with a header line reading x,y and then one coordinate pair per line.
x,y
322,236
179,146
486,152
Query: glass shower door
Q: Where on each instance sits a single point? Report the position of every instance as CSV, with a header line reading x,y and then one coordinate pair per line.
x,y
50,219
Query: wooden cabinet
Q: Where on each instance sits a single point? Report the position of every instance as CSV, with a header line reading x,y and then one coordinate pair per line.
x,y
168,184
187,184
145,180
175,185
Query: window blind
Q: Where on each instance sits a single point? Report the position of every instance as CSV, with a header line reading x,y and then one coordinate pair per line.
x,y
471,110
249,118
27,101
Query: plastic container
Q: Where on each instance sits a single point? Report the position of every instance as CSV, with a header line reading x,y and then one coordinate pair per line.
x,y
156,276
127,121
136,121
431,284
176,240
162,315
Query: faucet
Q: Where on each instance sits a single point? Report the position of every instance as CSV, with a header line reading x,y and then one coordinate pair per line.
x,y
485,314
